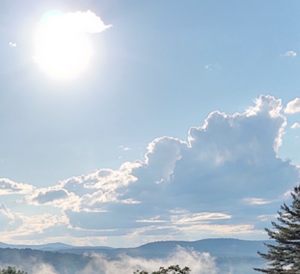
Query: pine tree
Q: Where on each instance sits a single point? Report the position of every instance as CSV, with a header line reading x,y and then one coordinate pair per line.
x,y
11,270
284,256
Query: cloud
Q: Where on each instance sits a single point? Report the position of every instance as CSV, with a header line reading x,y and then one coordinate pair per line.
x,y
34,225
194,188
293,107
124,148
51,195
8,187
295,126
80,21
8,220
289,53
200,217
12,44
228,159
210,67
257,201
200,263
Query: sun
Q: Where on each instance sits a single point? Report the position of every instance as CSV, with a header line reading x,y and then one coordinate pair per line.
x,y
62,48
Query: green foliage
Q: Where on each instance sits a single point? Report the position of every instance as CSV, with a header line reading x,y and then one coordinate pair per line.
x,y
11,270
284,257
173,269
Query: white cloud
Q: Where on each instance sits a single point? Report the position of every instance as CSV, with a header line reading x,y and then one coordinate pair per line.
x,y
199,217
86,21
192,187
25,225
12,44
293,107
295,126
267,217
124,148
8,187
289,53
257,201
208,67
227,153
216,229
8,219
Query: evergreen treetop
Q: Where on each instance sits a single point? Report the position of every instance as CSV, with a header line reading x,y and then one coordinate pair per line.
x,y
284,256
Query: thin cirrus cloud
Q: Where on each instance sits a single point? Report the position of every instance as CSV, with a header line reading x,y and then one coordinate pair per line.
x,y
197,187
293,106
289,53
124,148
257,201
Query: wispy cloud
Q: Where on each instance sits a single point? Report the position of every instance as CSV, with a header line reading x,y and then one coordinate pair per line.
x,y
210,67
12,44
293,106
289,53
295,126
257,201
124,148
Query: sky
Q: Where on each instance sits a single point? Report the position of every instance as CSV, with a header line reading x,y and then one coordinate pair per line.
x,y
146,120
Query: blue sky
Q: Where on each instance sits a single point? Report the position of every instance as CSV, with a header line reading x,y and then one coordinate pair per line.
x,y
184,125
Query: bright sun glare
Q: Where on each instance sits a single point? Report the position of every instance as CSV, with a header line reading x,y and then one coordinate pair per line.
x,y
62,48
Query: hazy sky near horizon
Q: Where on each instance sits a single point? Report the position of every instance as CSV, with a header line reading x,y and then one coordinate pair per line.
x,y
184,123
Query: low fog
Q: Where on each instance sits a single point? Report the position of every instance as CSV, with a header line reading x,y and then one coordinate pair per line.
x,y
200,263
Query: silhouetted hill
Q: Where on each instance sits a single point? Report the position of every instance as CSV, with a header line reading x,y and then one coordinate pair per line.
x,y
229,254
216,247
51,247
26,259
45,247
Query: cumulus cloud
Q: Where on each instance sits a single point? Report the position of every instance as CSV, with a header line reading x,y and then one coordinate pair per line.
x,y
200,263
8,187
35,225
289,53
51,195
293,106
295,126
195,187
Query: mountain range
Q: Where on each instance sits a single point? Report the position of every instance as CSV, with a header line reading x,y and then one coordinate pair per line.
x,y
240,255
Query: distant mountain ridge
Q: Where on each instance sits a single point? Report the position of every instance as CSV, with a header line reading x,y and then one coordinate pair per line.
x,y
217,247
229,254
48,247
51,246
